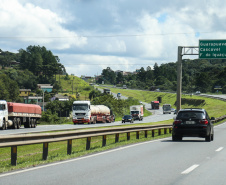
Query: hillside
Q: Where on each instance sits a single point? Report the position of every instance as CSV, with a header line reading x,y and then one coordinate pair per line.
x,y
72,85
214,107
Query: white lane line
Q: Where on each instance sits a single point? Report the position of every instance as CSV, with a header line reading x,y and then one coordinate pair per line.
x,y
219,149
190,169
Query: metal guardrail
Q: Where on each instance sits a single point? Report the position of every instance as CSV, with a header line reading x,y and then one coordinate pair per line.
x,y
27,139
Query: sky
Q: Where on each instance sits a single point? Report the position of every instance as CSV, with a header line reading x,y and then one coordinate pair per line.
x,y
91,35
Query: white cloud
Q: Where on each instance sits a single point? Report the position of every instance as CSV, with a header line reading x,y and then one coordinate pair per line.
x,y
94,64
58,25
37,26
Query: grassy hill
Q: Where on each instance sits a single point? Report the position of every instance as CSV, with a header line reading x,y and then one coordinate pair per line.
x,y
73,84
214,107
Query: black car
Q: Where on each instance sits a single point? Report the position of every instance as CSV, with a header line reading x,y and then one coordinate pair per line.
x,y
192,123
127,118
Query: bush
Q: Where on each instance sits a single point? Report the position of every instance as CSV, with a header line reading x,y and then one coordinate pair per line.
x,y
49,117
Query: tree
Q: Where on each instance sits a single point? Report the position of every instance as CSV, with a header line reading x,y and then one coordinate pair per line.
x,y
119,78
40,62
142,75
94,93
109,75
8,88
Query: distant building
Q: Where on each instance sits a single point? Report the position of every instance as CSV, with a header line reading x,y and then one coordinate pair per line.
x,y
118,71
33,99
60,98
86,78
45,87
126,73
25,92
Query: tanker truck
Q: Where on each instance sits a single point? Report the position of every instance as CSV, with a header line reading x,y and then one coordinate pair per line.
x,y
84,112
16,114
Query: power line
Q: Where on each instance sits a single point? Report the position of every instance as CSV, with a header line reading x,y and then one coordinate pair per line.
x,y
99,36
106,64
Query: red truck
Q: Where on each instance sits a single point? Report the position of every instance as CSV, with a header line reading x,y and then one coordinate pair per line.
x,y
155,104
17,114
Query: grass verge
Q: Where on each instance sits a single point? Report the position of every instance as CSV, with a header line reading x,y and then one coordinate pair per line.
x,y
31,155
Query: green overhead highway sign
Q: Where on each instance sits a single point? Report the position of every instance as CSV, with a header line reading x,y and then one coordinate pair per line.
x,y
212,49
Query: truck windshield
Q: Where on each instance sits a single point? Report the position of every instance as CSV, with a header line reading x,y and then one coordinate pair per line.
x,y
2,106
166,108
80,106
134,112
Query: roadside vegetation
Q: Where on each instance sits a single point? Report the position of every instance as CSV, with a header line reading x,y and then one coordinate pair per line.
x,y
214,107
38,65
31,155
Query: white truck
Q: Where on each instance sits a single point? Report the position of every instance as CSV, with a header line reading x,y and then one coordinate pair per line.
x,y
137,112
84,112
166,109
16,114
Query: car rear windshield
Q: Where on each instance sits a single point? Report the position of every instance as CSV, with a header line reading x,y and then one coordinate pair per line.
x,y
191,114
127,117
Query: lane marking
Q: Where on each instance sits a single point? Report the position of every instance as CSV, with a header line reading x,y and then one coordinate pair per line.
x,y
219,149
190,169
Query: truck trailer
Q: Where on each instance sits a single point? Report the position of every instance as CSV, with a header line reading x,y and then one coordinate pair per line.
x,y
137,112
84,112
16,114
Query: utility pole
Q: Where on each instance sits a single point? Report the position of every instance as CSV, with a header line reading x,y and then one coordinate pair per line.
x,y
179,77
43,100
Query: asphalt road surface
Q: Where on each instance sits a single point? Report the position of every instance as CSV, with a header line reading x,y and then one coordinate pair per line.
x,y
191,161
157,116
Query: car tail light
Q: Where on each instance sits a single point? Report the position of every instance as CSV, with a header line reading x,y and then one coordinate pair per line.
x,y
177,122
204,121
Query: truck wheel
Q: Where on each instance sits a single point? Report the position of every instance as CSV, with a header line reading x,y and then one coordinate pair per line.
x,y
35,123
18,123
3,125
32,123
14,123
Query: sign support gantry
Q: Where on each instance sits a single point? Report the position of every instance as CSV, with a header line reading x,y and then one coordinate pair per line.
x,y
183,50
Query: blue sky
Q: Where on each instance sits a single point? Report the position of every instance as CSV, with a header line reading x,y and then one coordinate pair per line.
x,y
91,35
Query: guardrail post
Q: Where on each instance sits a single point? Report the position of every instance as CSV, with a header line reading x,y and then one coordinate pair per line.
x,y
153,133
128,135
88,141
116,137
45,151
159,132
170,130
165,130
137,134
104,140
14,155
145,133
69,146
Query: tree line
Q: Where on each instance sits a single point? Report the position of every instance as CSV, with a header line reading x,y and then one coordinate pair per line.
x,y
27,68
197,75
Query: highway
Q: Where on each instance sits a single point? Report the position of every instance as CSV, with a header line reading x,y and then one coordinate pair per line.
x,y
188,162
157,116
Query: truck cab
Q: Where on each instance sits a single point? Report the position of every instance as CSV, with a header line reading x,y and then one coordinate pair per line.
x,y
81,112
3,114
166,109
